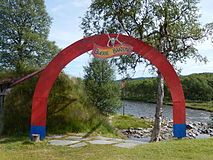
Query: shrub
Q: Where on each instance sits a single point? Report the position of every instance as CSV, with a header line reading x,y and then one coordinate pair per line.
x,y
68,110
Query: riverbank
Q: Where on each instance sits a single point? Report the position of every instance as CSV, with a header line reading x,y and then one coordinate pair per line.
x,y
140,128
140,109
195,130
205,106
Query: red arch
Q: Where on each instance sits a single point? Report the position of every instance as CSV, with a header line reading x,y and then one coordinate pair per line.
x,y
50,73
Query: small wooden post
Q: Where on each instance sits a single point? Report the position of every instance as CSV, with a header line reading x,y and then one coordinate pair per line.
x,y
35,137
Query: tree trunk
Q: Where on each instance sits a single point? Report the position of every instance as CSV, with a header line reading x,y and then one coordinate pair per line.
x,y
159,110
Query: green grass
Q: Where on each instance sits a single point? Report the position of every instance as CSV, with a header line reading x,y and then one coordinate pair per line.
x,y
124,122
208,106
22,149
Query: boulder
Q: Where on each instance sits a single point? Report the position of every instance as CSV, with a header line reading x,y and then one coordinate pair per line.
x,y
189,126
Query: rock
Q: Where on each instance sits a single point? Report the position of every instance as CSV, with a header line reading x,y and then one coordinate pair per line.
x,y
77,145
132,141
127,145
55,136
189,126
205,131
210,130
137,136
203,136
192,135
103,138
117,139
170,126
195,132
138,132
62,142
195,128
146,131
75,138
99,141
141,129
199,130
131,130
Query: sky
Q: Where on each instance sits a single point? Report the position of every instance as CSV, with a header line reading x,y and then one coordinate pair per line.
x,y
65,30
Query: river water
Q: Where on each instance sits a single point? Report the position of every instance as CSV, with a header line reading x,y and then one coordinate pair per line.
x,y
140,109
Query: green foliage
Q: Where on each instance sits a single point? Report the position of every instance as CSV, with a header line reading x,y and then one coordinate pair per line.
x,y
196,87
124,122
68,110
17,108
24,28
100,87
18,103
170,26
144,90
7,75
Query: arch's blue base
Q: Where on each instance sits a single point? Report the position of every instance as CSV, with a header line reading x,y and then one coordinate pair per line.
x,y
41,130
179,130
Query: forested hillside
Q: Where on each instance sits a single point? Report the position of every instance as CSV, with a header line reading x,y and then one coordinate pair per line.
x,y
197,87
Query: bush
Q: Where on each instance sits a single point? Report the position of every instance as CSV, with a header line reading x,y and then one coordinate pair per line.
x,y
68,110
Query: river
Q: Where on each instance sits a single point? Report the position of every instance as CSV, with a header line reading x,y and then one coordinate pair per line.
x,y
140,109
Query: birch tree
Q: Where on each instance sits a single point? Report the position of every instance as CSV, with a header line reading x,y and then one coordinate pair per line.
x,y
172,27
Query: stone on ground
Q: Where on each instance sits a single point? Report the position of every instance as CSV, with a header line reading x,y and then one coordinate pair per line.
x,y
55,136
133,141
76,141
100,141
62,142
78,145
77,138
127,145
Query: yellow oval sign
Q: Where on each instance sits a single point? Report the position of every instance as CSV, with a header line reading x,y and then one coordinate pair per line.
x,y
109,52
